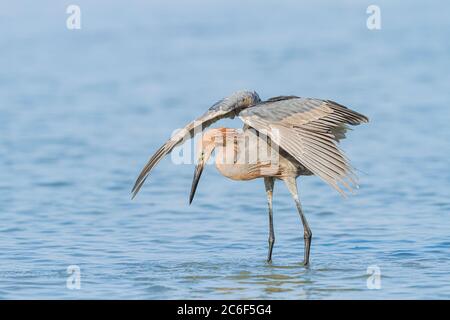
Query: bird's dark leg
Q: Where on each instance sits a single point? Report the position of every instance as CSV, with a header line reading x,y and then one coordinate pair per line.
x,y
307,234
269,182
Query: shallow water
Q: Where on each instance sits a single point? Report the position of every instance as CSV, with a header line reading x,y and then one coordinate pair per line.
x,y
81,111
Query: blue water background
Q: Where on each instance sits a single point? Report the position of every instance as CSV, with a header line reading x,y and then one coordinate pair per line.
x,y
82,110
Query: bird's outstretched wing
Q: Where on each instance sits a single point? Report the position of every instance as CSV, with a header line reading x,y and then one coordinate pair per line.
x,y
308,129
187,132
227,107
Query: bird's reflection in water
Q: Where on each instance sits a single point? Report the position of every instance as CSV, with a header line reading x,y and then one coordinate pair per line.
x,y
270,281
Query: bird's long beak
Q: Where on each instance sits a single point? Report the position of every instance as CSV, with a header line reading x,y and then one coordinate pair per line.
x,y
197,175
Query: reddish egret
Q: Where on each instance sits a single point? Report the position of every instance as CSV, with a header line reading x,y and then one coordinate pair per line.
x,y
300,134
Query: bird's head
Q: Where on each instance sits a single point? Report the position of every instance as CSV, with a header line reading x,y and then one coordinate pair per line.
x,y
209,141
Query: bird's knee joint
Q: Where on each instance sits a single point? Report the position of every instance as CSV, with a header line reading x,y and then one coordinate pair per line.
x,y
271,240
307,235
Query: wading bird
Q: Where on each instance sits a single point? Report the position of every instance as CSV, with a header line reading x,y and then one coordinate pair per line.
x,y
302,133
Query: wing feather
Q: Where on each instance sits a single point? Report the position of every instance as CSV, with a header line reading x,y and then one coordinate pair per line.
x,y
309,130
186,133
227,107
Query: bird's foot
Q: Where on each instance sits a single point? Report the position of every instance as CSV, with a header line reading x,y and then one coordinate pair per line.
x,y
305,264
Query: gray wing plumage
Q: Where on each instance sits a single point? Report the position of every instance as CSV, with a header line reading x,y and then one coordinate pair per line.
x,y
186,133
227,107
308,129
